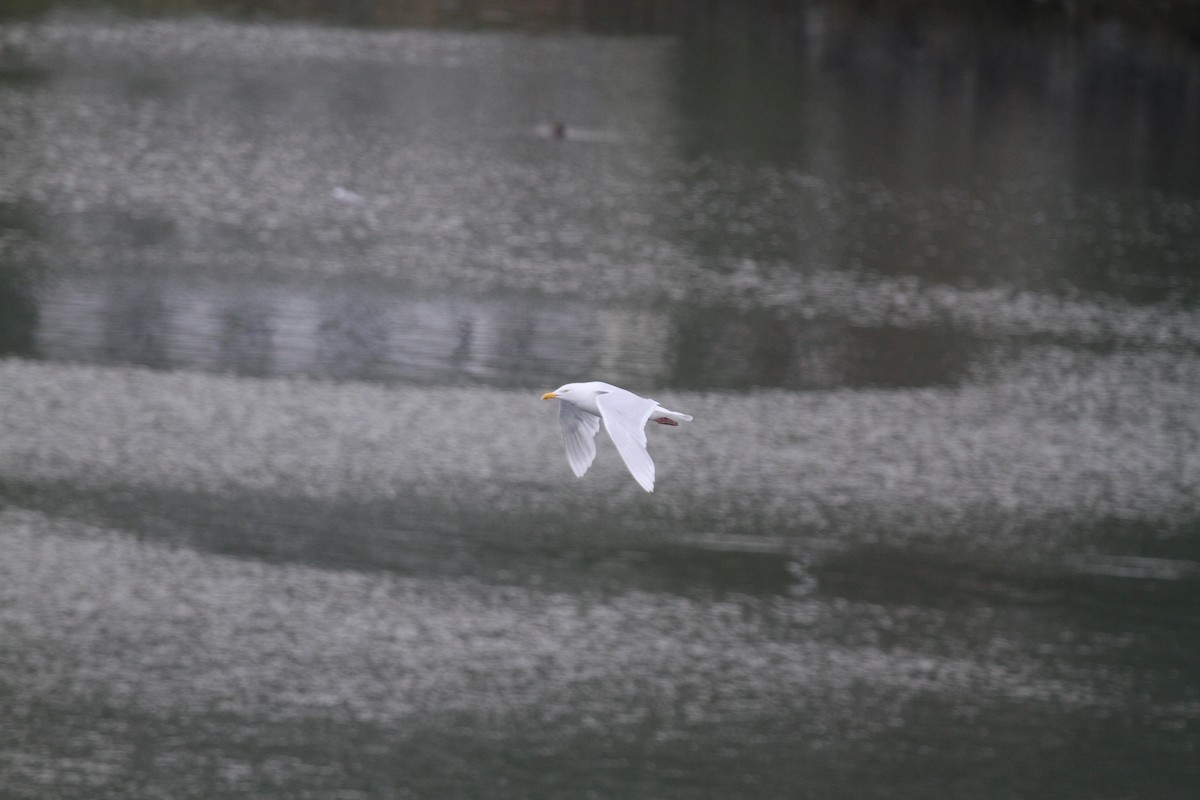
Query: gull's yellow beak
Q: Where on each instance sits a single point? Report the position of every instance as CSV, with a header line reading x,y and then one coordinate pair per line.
x,y
549,396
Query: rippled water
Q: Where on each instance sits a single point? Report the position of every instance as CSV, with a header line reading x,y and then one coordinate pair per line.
x,y
281,513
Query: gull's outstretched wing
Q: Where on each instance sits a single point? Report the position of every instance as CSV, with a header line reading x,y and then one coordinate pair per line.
x,y
625,416
579,434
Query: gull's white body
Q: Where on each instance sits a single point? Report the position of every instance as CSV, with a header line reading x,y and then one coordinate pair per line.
x,y
582,406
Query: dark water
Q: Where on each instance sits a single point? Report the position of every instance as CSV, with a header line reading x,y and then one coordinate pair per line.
x,y
281,513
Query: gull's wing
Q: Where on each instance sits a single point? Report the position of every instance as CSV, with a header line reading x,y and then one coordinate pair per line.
x,y
625,416
579,433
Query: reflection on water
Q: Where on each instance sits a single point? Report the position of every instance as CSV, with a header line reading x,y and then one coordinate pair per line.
x,y
816,333
931,298
18,314
358,333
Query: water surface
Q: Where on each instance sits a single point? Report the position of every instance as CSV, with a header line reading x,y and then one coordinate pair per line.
x,y
282,513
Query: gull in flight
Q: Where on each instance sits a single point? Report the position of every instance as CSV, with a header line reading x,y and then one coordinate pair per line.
x,y
581,407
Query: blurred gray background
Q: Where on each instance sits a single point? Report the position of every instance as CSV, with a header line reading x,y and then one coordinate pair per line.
x,y
282,513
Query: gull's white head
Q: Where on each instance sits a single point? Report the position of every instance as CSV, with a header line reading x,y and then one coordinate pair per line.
x,y
573,392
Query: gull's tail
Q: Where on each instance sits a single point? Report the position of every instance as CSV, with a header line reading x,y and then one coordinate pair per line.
x,y
664,416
